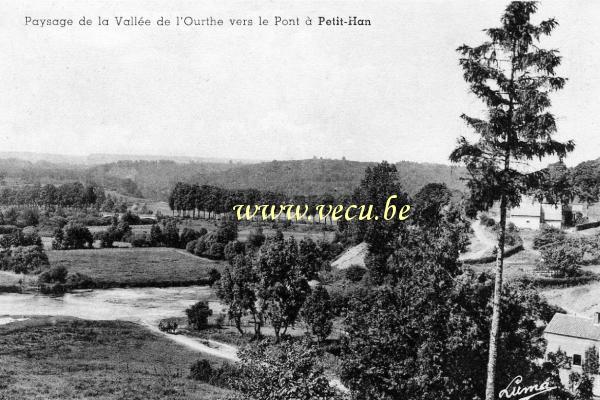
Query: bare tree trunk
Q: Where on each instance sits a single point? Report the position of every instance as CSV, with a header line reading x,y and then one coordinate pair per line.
x,y
490,389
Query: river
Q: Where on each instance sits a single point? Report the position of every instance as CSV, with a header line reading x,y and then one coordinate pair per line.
x,y
145,306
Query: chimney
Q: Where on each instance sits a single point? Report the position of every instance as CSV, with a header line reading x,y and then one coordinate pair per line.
x,y
597,318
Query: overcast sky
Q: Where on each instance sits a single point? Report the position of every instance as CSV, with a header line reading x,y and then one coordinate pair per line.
x,y
390,91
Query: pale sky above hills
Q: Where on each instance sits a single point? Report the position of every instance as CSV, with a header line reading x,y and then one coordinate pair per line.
x,y
390,91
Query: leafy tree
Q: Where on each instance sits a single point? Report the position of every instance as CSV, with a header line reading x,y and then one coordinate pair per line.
x,y
73,236
156,236
256,238
282,285
26,259
429,202
233,249
198,315
187,235
171,234
235,289
564,259
227,231
514,76
377,186
318,314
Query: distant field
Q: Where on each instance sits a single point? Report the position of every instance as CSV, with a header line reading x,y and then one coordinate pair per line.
x,y
64,358
157,266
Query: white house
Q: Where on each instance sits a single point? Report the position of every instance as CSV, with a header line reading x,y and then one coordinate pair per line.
x,y
573,335
532,214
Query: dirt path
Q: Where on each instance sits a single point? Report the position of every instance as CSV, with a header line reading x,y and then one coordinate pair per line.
x,y
207,346
482,242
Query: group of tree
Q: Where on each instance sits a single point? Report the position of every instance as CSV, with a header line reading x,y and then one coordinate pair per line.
x,y
72,236
270,284
21,251
215,244
73,194
209,201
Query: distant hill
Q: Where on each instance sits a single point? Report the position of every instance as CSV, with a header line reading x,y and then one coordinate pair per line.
x,y
154,179
319,176
101,158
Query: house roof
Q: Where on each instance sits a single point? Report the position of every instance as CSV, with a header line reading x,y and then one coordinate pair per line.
x,y
571,325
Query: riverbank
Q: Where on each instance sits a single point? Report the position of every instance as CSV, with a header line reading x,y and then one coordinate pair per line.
x,y
68,358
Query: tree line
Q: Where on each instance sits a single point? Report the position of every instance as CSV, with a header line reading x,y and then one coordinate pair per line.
x,y
193,199
73,194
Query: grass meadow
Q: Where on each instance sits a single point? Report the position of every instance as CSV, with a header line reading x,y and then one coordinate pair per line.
x,y
139,267
66,358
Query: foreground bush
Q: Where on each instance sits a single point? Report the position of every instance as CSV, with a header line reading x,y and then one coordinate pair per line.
x,y
548,235
290,370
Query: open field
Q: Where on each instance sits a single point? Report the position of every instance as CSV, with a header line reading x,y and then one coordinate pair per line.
x,y
66,358
158,266
580,300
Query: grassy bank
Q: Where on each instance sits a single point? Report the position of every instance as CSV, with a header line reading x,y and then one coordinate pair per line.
x,y
65,358
136,267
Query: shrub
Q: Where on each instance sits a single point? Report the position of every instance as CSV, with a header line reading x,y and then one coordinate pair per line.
x,y
201,371
188,235
220,320
216,250
190,246
139,240
548,235
233,249
55,274
355,273
131,218
25,259
256,238
53,288
168,325
564,258
198,315
8,229
213,275
28,217
80,281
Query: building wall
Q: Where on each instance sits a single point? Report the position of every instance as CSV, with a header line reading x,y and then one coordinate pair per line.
x,y
525,221
571,345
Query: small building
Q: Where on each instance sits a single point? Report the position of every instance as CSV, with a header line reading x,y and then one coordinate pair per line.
x,y
531,214
527,215
574,335
552,215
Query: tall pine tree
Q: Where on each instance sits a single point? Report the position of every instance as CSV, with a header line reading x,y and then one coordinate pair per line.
x,y
514,76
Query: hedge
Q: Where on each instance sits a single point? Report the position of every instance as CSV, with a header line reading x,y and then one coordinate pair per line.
x,y
587,225
491,258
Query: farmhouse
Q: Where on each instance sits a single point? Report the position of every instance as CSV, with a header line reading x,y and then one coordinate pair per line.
x,y
573,335
532,214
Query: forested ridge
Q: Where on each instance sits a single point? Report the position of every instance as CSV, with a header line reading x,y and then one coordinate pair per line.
x,y
312,177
